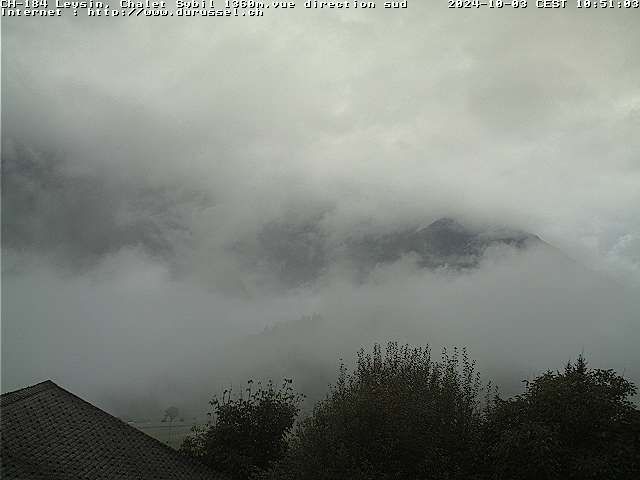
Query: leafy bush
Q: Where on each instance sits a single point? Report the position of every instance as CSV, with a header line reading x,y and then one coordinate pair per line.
x,y
401,415
398,415
246,433
579,424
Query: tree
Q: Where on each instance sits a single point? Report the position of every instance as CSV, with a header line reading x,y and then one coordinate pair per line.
x,y
171,413
578,424
398,415
247,433
401,415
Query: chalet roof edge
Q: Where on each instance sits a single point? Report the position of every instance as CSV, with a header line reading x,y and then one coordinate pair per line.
x,y
47,398
26,392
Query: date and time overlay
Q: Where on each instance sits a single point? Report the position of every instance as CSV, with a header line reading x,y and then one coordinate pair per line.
x,y
258,8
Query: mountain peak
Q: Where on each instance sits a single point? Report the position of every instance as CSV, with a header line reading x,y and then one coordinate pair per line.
x,y
299,253
446,223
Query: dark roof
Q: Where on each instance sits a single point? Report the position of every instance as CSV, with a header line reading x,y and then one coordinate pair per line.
x,y
49,433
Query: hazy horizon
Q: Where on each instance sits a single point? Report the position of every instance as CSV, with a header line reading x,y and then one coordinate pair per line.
x,y
143,160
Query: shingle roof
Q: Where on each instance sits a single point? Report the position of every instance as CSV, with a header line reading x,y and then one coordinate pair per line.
x,y
49,433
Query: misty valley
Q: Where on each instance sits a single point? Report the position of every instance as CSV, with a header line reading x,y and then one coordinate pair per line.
x,y
510,300
341,241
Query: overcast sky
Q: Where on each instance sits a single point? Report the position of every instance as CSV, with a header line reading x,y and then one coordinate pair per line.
x,y
135,150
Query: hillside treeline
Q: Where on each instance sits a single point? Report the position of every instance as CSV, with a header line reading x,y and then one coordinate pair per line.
x,y
399,414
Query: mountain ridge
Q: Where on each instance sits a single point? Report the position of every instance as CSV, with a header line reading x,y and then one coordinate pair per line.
x,y
301,252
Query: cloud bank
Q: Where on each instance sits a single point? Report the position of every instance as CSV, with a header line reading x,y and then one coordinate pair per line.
x,y
138,155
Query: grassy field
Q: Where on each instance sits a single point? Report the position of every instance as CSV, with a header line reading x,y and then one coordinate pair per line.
x,y
167,433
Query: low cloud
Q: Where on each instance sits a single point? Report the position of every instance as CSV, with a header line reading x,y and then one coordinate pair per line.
x,y
143,162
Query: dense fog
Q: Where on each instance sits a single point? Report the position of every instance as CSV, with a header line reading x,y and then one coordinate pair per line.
x,y
190,203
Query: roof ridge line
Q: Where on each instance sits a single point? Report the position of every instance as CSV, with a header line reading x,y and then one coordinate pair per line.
x,y
56,403
131,428
26,392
